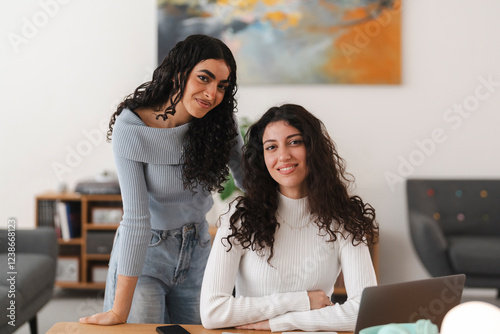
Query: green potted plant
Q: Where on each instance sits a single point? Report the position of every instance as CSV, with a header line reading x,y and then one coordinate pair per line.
x,y
229,186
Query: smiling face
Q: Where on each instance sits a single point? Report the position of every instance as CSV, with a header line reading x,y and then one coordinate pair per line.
x,y
205,88
285,158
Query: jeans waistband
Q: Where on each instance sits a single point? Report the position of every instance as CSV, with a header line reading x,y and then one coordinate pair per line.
x,y
181,230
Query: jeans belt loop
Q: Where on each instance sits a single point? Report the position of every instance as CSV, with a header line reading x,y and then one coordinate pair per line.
x,y
197,229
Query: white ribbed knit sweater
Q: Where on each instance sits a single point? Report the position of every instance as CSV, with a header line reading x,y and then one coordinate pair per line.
x,y
303,261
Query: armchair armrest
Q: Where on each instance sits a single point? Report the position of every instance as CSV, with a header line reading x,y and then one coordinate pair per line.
x,y
41,240
430,243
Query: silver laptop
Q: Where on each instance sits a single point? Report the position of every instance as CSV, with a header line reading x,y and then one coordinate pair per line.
x,y
408,302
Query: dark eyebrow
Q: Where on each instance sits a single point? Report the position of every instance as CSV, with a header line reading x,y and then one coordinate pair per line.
x,y
211,75
288,137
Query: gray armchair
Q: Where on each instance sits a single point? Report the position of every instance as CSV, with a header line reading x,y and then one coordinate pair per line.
x,y
455,228
34,276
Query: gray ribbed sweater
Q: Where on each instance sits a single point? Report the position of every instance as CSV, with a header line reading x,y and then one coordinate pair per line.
x,y
148,163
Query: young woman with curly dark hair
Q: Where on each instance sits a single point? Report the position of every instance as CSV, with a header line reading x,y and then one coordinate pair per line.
x,y
285,241
174,140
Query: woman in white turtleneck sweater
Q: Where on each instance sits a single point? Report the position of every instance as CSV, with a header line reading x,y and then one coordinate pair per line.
x,y
283,244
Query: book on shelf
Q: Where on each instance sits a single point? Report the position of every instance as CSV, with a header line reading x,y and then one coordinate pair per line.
x,y
74,213
64,217
46,212
57,225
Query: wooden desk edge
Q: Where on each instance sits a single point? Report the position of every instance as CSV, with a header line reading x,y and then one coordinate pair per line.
x,y
76,327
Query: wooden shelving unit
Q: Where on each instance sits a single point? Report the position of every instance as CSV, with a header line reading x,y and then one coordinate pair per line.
x,y
76,247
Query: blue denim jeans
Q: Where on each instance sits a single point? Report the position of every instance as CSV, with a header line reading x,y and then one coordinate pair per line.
x,y
168,290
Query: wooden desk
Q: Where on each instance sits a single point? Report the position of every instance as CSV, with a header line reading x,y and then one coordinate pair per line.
x,y
77,328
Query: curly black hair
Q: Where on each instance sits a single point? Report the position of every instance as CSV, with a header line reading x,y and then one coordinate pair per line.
x,y
254,222
209,140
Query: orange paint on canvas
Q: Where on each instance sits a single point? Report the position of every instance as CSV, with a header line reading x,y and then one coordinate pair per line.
x,y
270,3
368,52
282,20
355,14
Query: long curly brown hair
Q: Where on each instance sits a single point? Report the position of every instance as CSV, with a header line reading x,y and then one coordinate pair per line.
x,y
209,140
254,222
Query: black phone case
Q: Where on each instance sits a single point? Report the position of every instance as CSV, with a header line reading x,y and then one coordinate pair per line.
x,y
171,329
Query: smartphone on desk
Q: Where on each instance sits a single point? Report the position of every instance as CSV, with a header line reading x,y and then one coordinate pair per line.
x,y
171,329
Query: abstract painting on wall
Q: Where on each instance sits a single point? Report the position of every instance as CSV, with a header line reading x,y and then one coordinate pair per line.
x,y
294,41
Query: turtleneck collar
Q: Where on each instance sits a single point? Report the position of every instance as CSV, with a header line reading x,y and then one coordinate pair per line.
x,y
293,212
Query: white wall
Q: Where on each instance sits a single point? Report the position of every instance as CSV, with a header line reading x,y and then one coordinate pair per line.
x,y
71,73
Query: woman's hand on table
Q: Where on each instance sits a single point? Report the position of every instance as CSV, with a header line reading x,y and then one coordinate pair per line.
x,y
125,287
104,318
318,299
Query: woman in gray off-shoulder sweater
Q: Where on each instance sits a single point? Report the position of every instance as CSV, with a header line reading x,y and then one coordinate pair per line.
x,y
174,140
